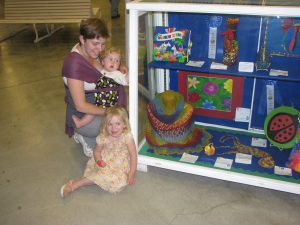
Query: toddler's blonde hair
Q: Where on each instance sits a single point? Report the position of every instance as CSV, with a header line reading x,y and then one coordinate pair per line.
x,y
115,111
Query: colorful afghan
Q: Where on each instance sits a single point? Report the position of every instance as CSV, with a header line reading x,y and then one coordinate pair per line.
x,y
161,112
176,131
198,139
171,123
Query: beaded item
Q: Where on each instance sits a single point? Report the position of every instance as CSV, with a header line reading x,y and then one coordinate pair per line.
x,y
263,60
265,159
230,42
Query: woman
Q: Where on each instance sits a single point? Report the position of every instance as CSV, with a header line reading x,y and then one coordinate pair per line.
x,y
80,73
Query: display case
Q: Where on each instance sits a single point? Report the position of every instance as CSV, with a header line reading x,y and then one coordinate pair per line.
x,y
264,74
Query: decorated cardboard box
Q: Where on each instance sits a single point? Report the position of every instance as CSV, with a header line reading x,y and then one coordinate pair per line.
x,y
171,44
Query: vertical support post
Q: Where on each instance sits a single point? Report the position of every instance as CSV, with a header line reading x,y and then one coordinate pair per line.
x,y
149,44
133,71
159,73
252,102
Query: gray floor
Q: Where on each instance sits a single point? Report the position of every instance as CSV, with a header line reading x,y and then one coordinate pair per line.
x,y
36,158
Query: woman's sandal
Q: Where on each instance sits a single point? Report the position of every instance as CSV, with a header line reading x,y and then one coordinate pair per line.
x,y
66,189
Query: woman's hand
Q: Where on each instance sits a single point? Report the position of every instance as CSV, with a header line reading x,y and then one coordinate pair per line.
x,y
123,69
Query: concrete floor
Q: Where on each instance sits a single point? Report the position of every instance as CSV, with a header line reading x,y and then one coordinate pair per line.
x,y
36,158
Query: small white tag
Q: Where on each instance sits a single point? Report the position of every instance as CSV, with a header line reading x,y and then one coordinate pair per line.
x,y
188,158
278,73
242,114
259,142
282,171
218,66
246,67
243,158
223,163
195,63
212,43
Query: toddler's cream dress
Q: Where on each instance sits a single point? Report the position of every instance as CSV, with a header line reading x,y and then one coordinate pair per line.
x,y
113,177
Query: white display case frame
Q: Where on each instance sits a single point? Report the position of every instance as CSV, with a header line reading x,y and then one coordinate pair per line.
x,y
138,8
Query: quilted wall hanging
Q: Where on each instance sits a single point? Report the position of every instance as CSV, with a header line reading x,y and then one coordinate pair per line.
x,y
211,95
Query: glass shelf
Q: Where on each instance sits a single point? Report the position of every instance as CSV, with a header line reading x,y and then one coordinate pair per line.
x,y
293,69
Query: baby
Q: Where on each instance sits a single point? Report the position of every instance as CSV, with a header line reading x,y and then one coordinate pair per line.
x,y
108,93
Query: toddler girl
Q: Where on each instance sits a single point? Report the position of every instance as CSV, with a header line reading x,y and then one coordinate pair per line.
x,y
114,161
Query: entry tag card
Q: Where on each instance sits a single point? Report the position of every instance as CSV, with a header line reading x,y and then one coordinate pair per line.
x,y
223,163
282,171
259,142
278,73
195,63
246,67
218,66
243,158
242,114
188,158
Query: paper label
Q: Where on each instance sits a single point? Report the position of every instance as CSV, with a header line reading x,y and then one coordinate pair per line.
x,y
223,163
218,66
243,158
242,114
188,158
282,171
212,43
195,63
246,67
278,73
259,142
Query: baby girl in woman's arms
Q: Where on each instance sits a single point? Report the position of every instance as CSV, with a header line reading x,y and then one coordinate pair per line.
x,y
108,93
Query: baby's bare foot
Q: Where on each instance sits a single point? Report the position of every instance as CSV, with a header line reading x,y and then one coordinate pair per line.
x,y
76,120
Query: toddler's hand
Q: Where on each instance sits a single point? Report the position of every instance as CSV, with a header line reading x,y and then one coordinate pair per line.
x,y
101,163
131,179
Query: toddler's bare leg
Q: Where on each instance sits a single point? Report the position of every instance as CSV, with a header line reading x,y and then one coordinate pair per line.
x,y
81,182
72,185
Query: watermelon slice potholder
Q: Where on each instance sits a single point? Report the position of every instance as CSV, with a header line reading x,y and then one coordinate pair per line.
x,y
281,127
